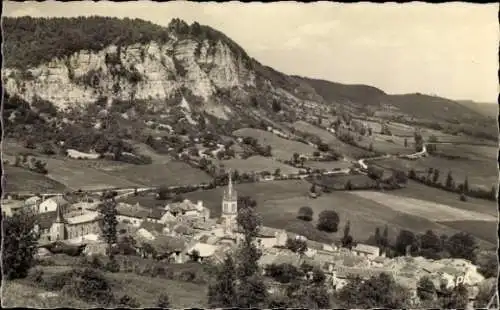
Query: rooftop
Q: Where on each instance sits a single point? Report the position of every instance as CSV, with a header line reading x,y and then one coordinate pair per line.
x,y
84,218
204,250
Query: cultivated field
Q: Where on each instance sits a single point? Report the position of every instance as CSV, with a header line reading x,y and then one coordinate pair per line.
x,y
339,181
474,152
420,191
169,174
422,208
485,230
23,180
481,173
257,164
387,144
281,148
330,139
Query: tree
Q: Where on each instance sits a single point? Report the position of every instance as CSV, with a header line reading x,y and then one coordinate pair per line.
x,y
426,290
295,157
404,240
163,193
430,241
456,299
370,131
19,245
306,213
221,293
435,176
347,241
370,147
109,222
377,292
348,185
296,245
313,188
377,237
163,301
462,245
328,221
251,290
465,187
384,241
449,181
406,142
488,266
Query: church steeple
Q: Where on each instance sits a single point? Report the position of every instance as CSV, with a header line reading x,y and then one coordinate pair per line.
x,y
229,207
60,215
230,184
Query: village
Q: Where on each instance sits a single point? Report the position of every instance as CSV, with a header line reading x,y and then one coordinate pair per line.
x,y
184,231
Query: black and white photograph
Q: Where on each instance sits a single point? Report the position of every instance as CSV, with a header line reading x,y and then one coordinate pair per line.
x,y
316,155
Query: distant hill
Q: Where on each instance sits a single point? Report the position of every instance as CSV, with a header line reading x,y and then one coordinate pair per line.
x,y
487,109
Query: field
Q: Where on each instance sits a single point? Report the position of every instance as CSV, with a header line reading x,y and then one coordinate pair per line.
x,y
387,144
330,139
281,148
486,230
416,190
171,173
23,180
339,181
146,290
278,203
257,164
479,172
341,164
144,149
474,152
79,174
422,208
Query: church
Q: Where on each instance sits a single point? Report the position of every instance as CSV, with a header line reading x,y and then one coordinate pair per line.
x,y
229,209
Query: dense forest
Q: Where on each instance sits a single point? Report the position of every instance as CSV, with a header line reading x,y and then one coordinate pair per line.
x,y
31,41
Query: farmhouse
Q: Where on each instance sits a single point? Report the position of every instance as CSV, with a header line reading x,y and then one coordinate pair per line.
x,y
186,208
11,207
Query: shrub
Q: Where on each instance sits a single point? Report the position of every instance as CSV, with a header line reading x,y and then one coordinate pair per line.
x,y
328,221
35,275
305,213
89,285
463,197
128,302
163,301
112,266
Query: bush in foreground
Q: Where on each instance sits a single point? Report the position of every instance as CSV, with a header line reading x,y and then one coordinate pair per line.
x,y
163,301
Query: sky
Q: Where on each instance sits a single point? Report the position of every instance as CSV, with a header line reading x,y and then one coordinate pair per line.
x,y
448,50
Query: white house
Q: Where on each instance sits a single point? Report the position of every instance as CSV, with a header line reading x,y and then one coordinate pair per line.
x,y
80,155
51,204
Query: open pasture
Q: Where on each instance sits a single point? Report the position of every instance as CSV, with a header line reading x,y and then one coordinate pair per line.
x,y
147,290
22,180
169,174
144,149
423,208
330,139
387,144
485,230
474,152
281,148
328,165
76,174
420,191
481,173
257,164
339,181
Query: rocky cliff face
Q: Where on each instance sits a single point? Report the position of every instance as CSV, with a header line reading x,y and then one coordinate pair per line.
x,y
140,71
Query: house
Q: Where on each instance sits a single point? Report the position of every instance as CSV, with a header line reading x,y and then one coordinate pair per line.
x,y
135,214
80,155
185,208
366,250
51,204
11,207
204,250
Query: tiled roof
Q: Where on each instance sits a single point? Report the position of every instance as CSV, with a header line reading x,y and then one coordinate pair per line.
x,y
366,248
152,226
84,218
45,220
167,244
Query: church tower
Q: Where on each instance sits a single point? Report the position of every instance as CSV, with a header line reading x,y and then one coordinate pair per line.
x,y
58,229
229,208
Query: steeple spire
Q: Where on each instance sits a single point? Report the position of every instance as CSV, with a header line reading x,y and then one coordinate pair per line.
x,y
230,185
60,215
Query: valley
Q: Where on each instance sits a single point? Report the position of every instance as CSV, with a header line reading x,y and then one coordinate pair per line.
x,y
181,134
